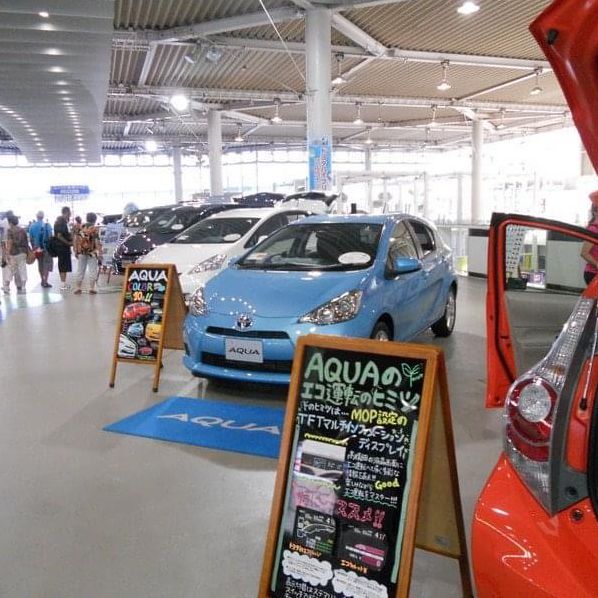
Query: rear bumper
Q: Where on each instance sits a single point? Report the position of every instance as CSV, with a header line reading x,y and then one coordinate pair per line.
x,y
518,550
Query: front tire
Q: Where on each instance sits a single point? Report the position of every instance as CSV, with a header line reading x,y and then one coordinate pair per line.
x,y
444,326
381,332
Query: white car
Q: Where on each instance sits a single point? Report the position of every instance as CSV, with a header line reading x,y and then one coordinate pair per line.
x,y
205,248
126,347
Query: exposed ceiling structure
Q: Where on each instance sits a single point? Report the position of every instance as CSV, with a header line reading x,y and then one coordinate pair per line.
x,y
246,58
54,72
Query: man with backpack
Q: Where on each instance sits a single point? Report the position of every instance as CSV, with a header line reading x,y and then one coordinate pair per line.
x,y
87,251
40,233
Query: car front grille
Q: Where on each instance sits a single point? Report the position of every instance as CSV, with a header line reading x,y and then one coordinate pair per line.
x,y
266,334
275,366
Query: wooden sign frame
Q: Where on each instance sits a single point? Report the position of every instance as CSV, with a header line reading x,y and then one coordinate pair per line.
x,y
173,313
434,517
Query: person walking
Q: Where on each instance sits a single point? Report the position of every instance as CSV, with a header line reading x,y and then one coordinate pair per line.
x,y
17,247
63,246
6,269
40,233
87,251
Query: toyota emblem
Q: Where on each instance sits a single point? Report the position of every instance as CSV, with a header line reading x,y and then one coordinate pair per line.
x,y
244,322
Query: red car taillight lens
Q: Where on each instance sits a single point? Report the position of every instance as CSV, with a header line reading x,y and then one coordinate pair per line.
x,y
529,417
533,404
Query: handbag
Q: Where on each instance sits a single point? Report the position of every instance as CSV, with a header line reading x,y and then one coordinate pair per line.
x,y
30,256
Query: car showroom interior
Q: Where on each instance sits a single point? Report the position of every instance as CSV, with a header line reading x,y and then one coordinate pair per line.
x,y
299,298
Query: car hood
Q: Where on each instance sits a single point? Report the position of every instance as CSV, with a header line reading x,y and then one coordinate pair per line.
x,y
278,293
566,32
143,242
185,255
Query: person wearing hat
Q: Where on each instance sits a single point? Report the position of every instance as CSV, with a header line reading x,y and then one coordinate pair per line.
x,y
40,233
589,251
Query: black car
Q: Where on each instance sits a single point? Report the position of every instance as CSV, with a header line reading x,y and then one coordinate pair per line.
x,y
141,218
263,199
162,229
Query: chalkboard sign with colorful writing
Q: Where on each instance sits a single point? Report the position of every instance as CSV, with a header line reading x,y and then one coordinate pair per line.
x,y
344,515
151,311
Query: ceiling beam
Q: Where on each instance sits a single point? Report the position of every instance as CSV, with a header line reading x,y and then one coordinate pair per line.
x,y
224,25
246,118
147,63
243,95
358,35
391,54
499,86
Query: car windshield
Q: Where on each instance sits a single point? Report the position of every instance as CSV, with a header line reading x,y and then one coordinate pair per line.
x,y
142,217
217,230
325,246
173,221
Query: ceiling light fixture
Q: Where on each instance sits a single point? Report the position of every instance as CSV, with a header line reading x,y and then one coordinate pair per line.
x,y
433,122
339,79
501,124
444,84
358,120
151,145
179,102
277,119
369,140
44,14
239,138
536,89
468,8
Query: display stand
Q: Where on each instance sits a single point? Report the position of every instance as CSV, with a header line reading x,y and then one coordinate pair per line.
x,y
151,317
367,472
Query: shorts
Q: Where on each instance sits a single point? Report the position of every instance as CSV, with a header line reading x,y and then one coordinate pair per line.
x,y
64,261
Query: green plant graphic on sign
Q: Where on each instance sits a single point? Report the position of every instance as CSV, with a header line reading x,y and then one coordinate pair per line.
x,y
413,374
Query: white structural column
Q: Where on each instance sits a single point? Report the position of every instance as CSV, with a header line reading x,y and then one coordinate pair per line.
x,y
370,185
319,109
477,148
215,151
178,174
427,210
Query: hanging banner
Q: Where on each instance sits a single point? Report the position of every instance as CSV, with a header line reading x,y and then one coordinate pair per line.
x,y
69,193
355,472
151,317
320,164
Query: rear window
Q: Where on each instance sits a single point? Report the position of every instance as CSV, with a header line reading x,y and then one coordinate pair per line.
x,y
173,221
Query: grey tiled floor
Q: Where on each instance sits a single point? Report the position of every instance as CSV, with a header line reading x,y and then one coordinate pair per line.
x,y
88,514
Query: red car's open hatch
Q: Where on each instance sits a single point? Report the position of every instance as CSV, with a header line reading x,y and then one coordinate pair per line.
x,y
567,32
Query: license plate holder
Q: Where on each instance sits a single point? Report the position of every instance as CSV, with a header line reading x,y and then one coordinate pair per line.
x,y
237,349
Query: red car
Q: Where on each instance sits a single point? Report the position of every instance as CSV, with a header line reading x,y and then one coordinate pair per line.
x,y
535,527
137,310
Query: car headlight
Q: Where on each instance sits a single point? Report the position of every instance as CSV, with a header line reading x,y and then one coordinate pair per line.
x,y
197,304
212,263
340,309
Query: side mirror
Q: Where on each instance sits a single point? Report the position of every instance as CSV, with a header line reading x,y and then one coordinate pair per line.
x,y
405,265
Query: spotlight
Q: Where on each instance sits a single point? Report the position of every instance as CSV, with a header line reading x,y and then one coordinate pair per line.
x,y
433,122
358,120
468,8
44,14
369,140
213,54
444,84
179,102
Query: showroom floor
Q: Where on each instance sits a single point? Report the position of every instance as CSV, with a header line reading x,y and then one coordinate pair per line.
x,y
90,514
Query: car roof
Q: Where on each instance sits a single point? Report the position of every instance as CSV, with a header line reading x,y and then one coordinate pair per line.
x,y
349,218
251,212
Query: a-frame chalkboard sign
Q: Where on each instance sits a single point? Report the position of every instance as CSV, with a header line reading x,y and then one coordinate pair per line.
x,y
367,472
150,318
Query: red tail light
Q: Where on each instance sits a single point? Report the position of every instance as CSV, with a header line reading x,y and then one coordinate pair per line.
x,y
529,413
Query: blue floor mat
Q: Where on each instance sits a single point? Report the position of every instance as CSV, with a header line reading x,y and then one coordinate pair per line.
x,y
212,424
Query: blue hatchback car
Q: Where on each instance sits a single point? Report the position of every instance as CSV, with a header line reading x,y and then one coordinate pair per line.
x,y
388,277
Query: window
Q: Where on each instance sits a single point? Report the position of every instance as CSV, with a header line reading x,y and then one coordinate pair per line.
x,y
267,228
401,245
424,236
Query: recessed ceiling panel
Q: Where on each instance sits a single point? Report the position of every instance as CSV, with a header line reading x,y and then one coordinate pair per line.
x,y
54,69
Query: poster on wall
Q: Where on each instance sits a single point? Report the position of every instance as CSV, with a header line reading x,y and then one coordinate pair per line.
x,y
351,470
320,164
150,318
